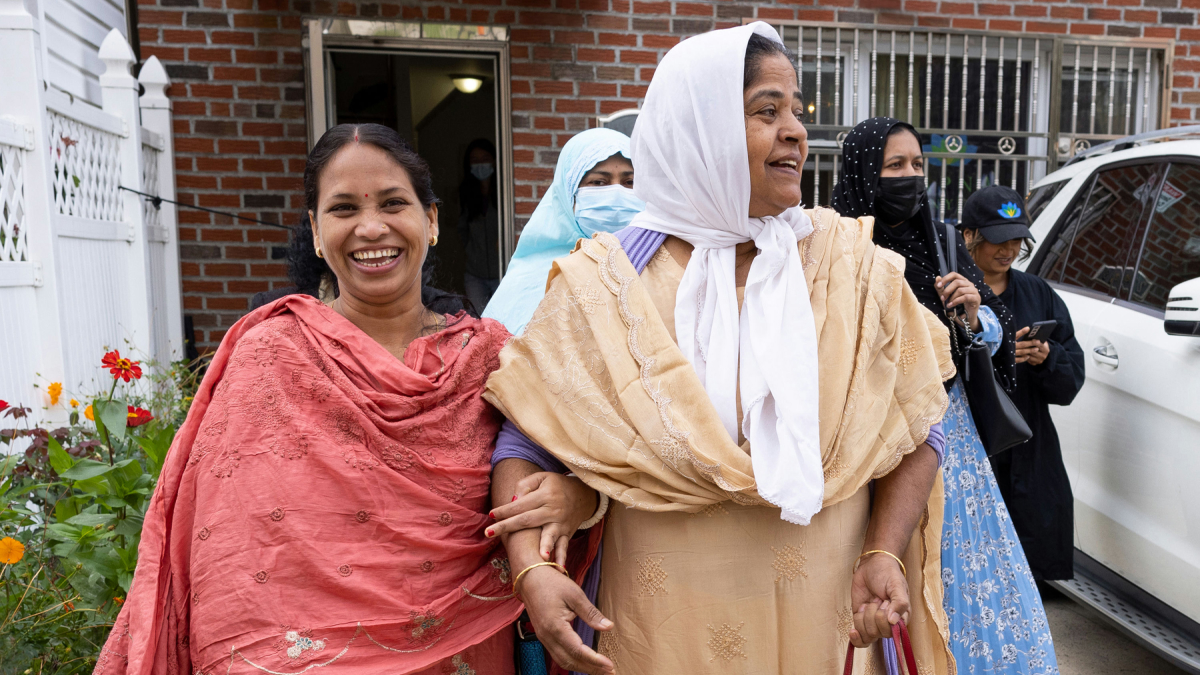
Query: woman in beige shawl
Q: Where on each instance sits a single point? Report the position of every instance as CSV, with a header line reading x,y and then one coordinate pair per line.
x,y
734,400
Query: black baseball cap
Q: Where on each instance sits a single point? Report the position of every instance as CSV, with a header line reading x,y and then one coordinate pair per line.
x,y
998,213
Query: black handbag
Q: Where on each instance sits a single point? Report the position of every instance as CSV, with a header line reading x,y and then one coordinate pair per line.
x,y
999,423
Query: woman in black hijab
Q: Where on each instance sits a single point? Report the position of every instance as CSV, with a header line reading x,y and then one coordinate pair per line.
x,y
997,622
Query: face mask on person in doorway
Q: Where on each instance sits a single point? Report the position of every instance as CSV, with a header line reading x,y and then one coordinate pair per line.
x,y
899,198
482,171
605,209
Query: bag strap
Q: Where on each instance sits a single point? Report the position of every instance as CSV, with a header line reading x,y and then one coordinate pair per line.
x,y
904,650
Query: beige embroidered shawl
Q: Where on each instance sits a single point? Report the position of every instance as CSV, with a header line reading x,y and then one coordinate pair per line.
x,y
597,380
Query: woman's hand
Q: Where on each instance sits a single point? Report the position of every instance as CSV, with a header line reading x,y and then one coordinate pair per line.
x,y
1032,352
551,501
553,601
879,596
956,290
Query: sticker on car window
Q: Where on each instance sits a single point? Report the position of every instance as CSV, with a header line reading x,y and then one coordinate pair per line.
x,y
1169,195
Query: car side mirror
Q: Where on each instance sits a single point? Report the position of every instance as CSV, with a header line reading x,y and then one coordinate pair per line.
x,y
1183,309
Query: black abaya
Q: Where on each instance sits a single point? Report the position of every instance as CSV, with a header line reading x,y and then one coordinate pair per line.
x,y
1031,476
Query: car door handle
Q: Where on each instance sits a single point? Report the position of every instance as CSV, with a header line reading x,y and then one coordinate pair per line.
x,y
1105,354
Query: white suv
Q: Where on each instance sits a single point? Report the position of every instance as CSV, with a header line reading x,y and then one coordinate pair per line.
x,y
1118,236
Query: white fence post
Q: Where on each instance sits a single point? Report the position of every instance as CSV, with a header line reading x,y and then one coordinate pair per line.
x,y
119,93
156,117
31,323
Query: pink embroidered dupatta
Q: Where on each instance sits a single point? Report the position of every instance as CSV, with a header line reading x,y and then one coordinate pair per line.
x,y
323,504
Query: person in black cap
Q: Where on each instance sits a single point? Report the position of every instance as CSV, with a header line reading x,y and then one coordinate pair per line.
x,y
1050,369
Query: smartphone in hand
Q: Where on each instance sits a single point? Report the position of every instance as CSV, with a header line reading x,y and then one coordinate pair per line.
x,y
1041,330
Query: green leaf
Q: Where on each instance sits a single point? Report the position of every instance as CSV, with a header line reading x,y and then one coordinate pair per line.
x,y
59,459
85,469
92,519
155,444
6,466
114,415
76,179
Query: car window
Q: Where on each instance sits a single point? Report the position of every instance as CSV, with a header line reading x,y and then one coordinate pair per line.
x,y
1171,252
1093,248
1040,197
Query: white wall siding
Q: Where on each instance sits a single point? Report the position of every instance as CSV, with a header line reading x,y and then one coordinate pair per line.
x,y
74,30
20,350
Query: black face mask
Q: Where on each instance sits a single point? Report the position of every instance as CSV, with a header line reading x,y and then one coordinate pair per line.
x,y
898,199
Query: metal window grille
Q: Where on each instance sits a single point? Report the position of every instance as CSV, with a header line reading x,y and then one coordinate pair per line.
x,y
991,107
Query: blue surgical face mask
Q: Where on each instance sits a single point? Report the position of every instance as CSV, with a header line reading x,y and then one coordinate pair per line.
x,y
482,171
605,209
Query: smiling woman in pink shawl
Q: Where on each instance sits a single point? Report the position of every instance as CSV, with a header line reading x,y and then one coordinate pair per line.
x,y
325,501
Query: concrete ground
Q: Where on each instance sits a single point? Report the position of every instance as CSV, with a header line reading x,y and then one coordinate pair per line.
x,y
1086,645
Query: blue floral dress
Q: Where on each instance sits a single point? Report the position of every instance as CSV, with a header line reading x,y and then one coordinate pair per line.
x,y
997,622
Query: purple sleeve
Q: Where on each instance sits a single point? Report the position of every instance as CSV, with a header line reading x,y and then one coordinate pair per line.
x,y
512,444
936,440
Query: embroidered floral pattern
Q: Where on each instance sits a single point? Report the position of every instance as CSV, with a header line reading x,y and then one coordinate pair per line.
x,y
444,518
277,514
609,645
711,510
261,576
588,299
908,353
458,666
203,534
345,427
301,644
651,577
997,622
727,642
427,566
501,570
789,563
290,445
344,570
424,625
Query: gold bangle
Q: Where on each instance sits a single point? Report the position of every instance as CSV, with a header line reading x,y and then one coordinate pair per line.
x,y
893,556
517,581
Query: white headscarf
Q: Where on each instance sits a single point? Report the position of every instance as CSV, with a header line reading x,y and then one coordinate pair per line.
x,y
689,151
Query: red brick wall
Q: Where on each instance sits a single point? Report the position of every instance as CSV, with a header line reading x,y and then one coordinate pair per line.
x,y
239,93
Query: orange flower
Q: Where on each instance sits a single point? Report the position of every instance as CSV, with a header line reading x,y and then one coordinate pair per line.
x,y
136,417
122,369
69,606
89,413
11,551
119,601
55,391
74,403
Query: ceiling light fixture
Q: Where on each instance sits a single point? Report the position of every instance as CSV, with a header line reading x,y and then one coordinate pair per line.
x,y
467,84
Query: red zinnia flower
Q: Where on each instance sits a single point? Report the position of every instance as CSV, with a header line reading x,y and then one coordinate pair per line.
x,y
120,368
136,417
3,405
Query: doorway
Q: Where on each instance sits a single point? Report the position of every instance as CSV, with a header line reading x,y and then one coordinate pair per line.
x,y
449,99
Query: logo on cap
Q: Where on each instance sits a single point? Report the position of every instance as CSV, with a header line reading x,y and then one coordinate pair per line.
x,y
1009,210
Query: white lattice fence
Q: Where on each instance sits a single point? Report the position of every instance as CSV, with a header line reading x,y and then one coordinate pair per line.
x,y
86,169
13,240
150,213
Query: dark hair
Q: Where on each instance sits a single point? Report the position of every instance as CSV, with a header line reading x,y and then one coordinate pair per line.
x,y
904,126
382,137
470,195
757,49
977,239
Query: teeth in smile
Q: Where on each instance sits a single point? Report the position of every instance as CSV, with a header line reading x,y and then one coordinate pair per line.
x,y
376,258
791,164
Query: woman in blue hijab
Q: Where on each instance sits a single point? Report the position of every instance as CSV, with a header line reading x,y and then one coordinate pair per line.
x,y
592,192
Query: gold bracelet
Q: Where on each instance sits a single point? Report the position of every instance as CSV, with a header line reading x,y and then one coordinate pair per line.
x,y
517,581
893,556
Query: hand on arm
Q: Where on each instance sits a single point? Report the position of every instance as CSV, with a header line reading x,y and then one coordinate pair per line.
x,y
552,600
556,503
879,592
